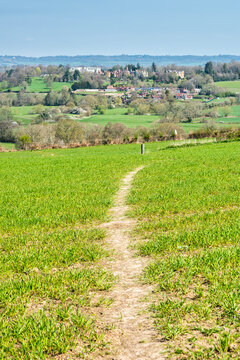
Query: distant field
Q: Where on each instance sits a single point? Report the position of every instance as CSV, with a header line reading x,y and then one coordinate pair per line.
x,y
26,114
8,146
235,111
23,114
230,85
118,116
229,120
191,126
39,86
233,118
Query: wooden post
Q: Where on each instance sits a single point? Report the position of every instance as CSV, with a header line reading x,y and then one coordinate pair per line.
x,y
142,149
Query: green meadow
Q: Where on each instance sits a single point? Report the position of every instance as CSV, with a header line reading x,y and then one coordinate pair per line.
x,y
27,114
230,85
119,116
23,114
7,146
39,86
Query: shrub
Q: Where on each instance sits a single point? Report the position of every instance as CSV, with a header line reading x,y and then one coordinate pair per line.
x,y
93,134
142,109
7,131
130,111
101,110
226,111
69,131
113,133
167,131
42,136
25,140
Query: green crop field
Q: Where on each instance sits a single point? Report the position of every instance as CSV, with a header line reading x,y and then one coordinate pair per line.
x,y
53,280
187,206
50,204
229,85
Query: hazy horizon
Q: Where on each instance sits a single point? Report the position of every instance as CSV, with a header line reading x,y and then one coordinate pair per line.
x,y
127,54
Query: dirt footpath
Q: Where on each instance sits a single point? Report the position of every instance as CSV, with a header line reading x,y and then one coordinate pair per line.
x,y
133,336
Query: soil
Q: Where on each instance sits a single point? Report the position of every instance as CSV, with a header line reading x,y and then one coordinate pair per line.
x,y
132,335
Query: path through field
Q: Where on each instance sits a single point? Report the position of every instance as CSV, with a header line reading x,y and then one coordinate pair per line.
x,y
133,336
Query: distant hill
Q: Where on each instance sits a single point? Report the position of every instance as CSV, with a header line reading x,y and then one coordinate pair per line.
x,y
108,61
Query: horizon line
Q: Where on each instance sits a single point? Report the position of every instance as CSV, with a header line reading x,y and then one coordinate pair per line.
x,y
113,55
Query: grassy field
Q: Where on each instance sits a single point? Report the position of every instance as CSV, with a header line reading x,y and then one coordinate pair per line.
x,y
51,251
229,120
27,114
119,116
233,118
230,85
39,86
23,114
187,206
235,111
8,146
191,126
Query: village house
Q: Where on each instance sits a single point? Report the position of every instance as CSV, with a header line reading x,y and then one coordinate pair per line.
x,y
110,88
117,73
143,73
179,73
183,96
108,74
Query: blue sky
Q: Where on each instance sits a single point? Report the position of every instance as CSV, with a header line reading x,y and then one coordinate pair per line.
x,y
155,27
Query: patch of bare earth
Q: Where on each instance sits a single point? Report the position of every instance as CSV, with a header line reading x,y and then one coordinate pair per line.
x,y
132,334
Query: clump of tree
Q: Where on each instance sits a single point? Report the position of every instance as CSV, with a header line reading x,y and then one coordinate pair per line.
x,y
166,131
169,109
7,125
89,82
226,111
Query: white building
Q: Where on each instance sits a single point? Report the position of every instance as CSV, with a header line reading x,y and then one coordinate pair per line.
x,y
87,69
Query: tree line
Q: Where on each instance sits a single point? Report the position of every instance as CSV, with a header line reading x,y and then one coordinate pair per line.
x,y
195,76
